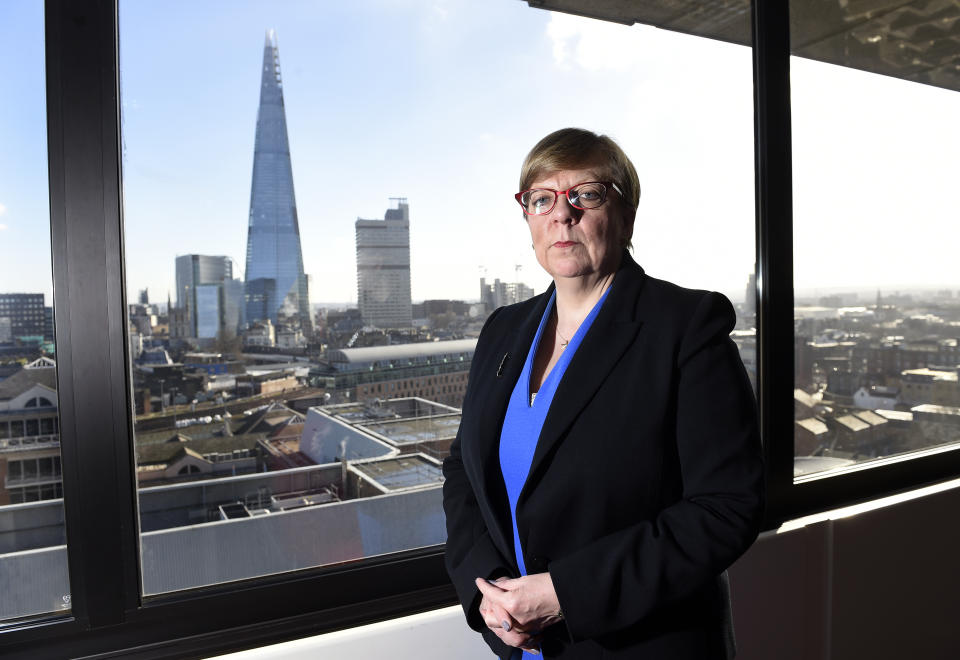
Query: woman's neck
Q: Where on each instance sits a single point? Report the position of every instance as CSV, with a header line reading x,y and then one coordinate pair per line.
x,y
576,296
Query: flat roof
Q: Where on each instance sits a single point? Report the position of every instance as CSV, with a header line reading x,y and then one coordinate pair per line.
x,y
935,374
870,417
813,425
395,352
898,415
935,409
853,423
411,431
402,472
381,410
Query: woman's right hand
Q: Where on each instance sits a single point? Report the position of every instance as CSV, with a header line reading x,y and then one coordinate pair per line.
x,y
502,623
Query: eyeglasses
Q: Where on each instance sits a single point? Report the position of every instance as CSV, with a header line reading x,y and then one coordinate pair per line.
x,y
583,196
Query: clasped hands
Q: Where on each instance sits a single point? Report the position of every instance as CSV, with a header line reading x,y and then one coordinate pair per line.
x,y
517,610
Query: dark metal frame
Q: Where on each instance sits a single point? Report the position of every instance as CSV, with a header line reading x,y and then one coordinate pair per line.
x,y
108,615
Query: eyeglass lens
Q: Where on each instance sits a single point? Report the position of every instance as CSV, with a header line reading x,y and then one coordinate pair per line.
x,y
584,196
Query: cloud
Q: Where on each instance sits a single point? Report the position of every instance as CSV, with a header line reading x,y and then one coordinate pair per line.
x,y
591,44
3,209
3,227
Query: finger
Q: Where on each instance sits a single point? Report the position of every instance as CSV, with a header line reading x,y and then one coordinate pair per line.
x,y
514,639
495,617
493,597
487,589
508,584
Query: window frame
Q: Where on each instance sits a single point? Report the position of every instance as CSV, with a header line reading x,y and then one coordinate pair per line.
x,y
95,399
775,326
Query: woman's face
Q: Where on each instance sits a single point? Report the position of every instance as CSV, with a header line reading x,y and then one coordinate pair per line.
x,y
571,242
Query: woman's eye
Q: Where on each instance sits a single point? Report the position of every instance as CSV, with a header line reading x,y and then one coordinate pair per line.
x,y
588,193
540,200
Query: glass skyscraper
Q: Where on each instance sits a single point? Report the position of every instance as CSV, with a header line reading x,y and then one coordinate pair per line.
x,y
206,288
275,286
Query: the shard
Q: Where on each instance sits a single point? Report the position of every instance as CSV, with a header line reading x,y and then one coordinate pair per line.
x,y
275,286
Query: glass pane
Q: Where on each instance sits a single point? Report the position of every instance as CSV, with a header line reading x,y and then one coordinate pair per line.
x,y
876,285
305,243
33,557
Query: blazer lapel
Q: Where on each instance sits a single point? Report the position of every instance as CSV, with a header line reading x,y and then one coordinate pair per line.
x,y
498,385
612,332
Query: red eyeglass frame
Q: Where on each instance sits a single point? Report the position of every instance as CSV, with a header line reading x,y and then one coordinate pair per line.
x,y
557,193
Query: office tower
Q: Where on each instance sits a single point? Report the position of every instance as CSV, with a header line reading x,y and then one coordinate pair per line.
x,y
500,293
24,314
207,290
750,295
383,268
48,328
275,287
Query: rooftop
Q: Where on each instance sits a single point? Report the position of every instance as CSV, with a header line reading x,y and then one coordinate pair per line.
x,y
804,398
852,423
931,374
166,452
895,415
381,410
396,352
26,378
813,425
931,408
402,472
871,418
412,431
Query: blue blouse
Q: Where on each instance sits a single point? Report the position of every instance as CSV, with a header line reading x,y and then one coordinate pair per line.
x,y
524,420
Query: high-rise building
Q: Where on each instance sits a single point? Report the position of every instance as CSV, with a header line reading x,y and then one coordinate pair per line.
x,y
275,287
24,316
750,295
500,293
383,268
207,291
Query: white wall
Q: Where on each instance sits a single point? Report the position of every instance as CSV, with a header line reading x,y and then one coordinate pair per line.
x,y
437,635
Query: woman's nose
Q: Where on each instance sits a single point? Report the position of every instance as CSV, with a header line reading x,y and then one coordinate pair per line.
x,y
565,212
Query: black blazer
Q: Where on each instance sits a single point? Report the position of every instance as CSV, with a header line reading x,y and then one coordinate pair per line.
x,y
646,482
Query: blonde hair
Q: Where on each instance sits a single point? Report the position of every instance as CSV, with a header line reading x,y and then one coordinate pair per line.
x,y
573,148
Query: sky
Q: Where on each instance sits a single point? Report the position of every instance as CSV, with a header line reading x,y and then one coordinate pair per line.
x,y
438,102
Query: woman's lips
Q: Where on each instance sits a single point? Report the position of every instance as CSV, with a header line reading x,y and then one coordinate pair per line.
x,y
564,244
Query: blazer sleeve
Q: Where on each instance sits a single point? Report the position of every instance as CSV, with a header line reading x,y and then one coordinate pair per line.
x,y
470,552
623,577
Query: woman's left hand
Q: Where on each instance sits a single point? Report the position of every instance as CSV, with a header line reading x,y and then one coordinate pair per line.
x,y
531,600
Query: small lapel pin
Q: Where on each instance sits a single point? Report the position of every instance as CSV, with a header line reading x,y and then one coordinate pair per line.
x,y
503,362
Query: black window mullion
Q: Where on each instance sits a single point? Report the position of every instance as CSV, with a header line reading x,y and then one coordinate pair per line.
x,y
84,167
774,236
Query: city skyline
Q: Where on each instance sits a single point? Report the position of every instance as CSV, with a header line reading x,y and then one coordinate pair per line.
x,y
396,116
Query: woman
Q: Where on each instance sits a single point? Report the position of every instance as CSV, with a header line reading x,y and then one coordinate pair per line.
x,y
607,469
